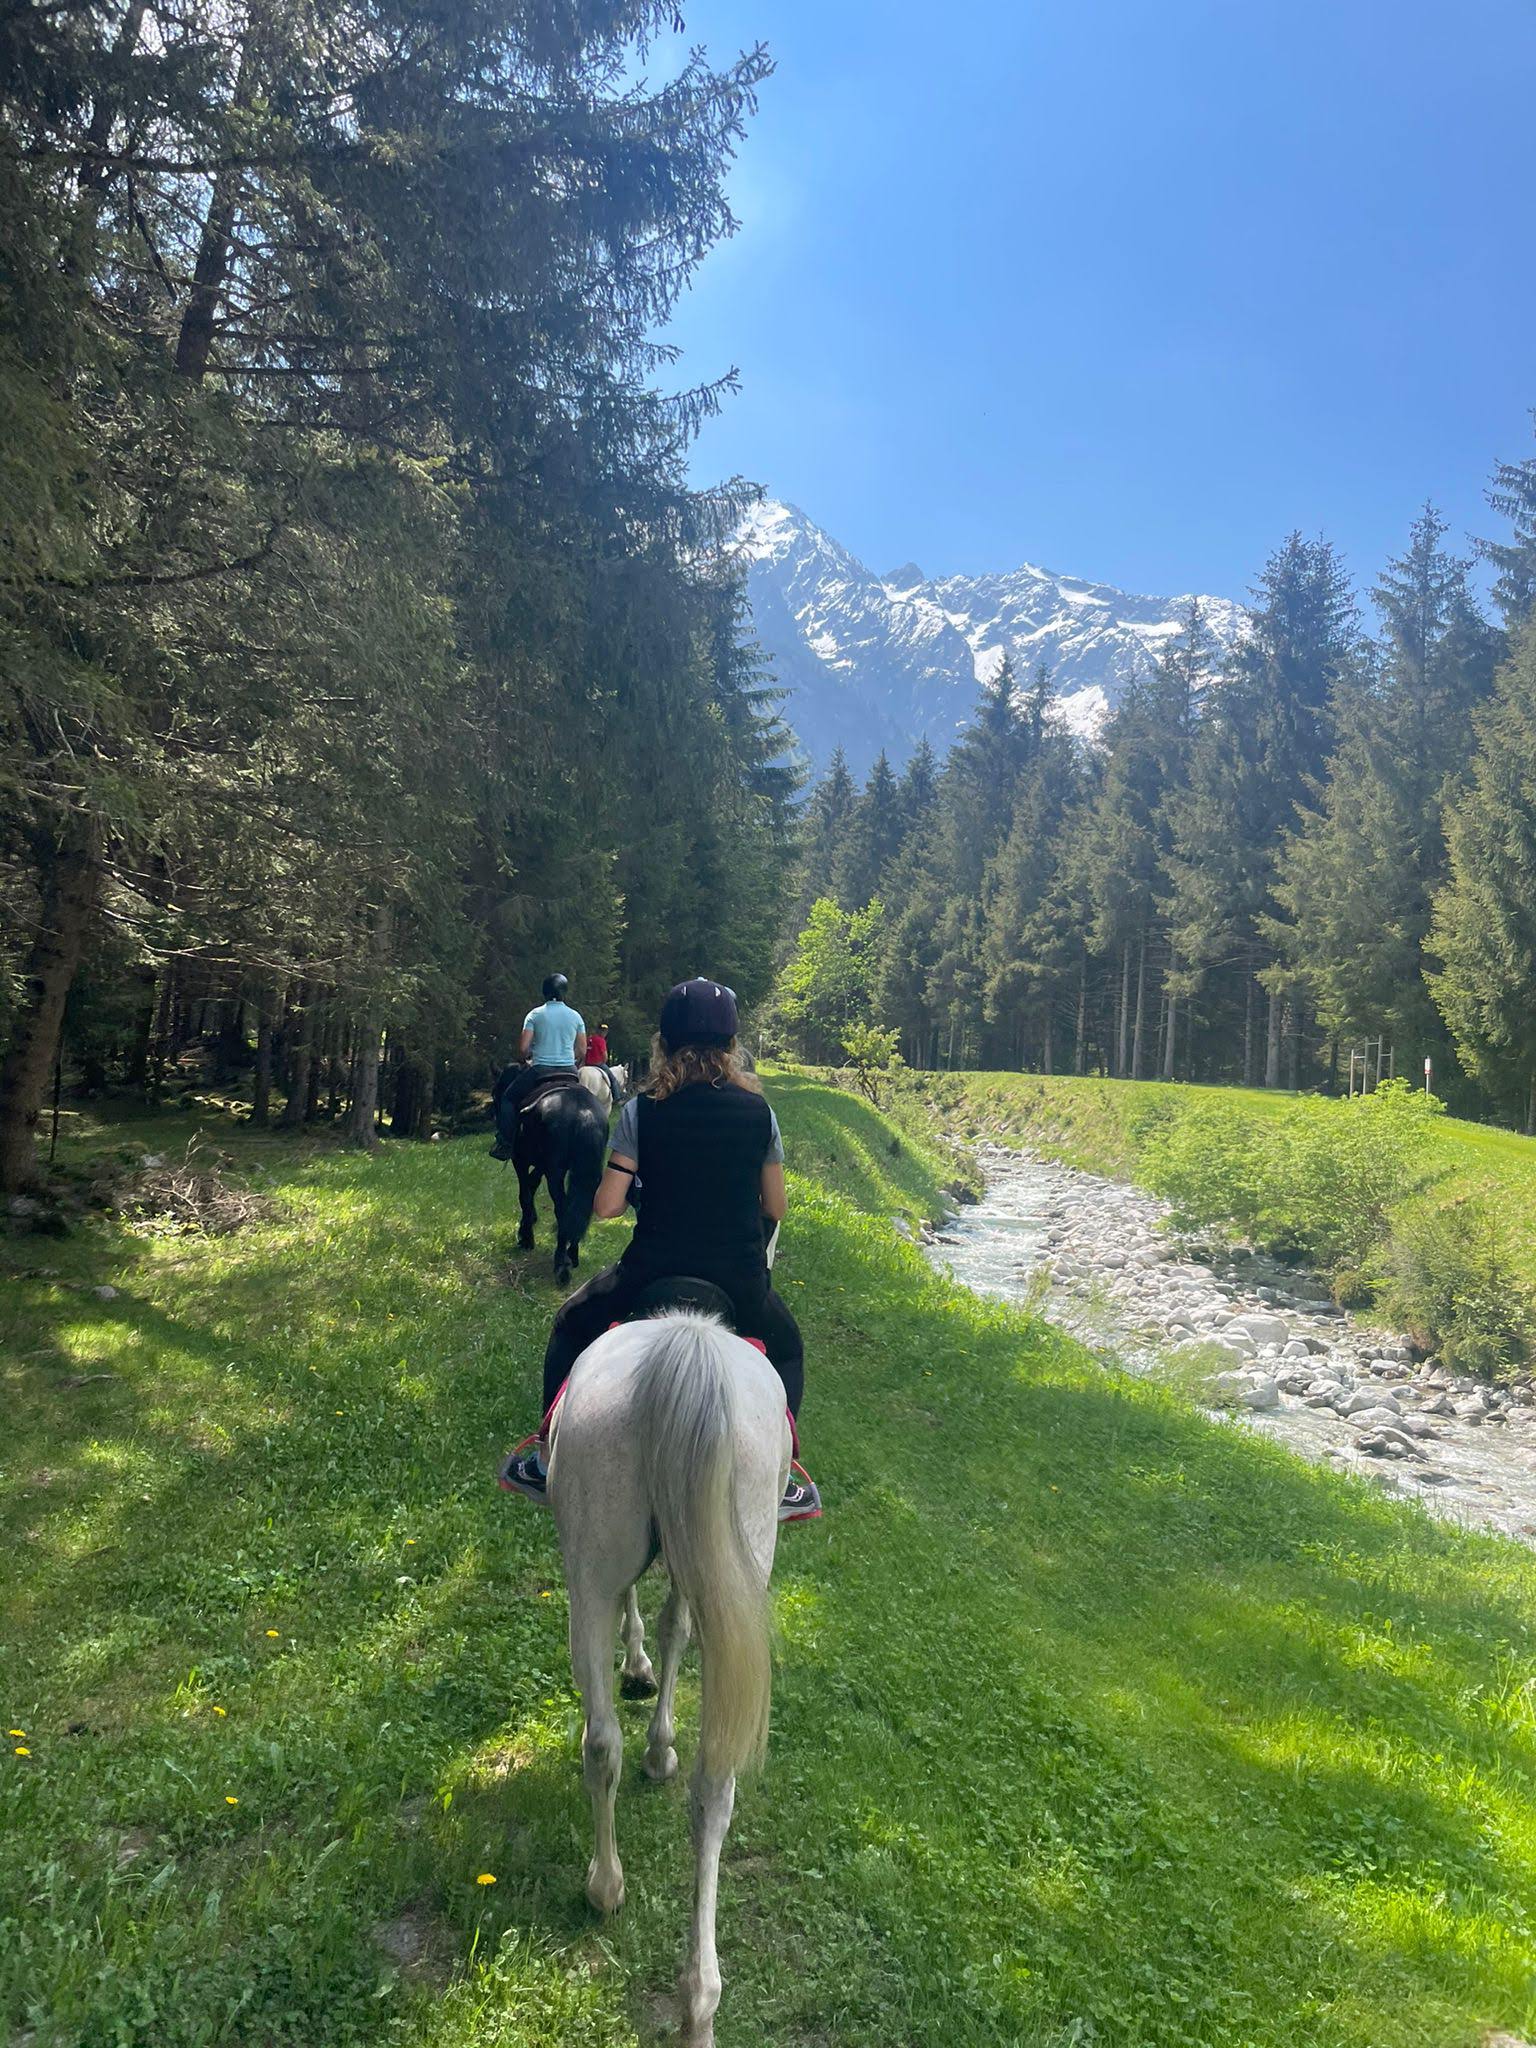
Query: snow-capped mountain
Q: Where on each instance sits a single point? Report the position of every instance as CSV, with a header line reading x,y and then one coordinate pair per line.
x,y
885,661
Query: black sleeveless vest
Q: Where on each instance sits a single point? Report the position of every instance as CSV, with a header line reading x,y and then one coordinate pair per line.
x,y
701,1165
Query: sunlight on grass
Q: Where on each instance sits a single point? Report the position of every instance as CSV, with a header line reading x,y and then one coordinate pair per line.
x,y
1094,1724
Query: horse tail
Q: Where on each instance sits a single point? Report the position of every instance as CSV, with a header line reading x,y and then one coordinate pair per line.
x,y
685,1419
588,1141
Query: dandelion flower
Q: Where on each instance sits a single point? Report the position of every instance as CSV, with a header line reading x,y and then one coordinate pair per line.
x,y
19,1733
220,1711
410,1539
485,1877
272,1632
22,1750
230,1799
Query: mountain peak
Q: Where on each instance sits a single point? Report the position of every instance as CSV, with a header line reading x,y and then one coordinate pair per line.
x,y
870,662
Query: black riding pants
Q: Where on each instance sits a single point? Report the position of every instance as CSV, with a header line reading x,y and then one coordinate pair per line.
x,y
608,1297
510,1100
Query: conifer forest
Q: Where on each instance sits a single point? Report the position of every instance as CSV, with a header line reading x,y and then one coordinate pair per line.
x,y
366,652
1308,863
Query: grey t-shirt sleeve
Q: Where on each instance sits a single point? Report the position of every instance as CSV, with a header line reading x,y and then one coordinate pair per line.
x,y
626,1132
775,1153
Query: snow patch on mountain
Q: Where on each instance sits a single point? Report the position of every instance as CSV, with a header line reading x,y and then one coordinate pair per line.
x,y
885,661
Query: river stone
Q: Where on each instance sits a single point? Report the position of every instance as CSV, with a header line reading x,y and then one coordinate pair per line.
x,y
1372,1418
1371,1400
1260,1394
1326,1387
1263,1329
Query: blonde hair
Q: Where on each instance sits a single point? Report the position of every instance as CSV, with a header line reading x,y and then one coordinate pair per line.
x,y
682,1065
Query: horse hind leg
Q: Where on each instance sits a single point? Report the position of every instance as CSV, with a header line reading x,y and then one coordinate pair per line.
x,y
660,1757
593,1620
564,1256
637,1681
712,1802
527,1188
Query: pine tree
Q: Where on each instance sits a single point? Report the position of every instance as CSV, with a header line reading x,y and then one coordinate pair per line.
x,y
874,837
1514,495
1359,872
1484,929
1261,745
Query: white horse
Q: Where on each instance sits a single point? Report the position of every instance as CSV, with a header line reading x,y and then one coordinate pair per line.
x,y
672,1434
597,1084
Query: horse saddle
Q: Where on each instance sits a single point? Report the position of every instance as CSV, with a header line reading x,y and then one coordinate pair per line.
x,y
677,1290
550,1082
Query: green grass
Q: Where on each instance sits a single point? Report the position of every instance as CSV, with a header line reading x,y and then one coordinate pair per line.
x,y
1095,1723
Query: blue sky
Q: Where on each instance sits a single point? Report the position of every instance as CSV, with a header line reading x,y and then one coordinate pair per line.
x,y
1128,288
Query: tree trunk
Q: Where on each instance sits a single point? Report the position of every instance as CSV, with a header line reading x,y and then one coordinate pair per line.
x,y
1171,1032
136,1074
194,343
300,1066
1139,1037
1248,1029
1080,1048
1292,1044
362,1114
1530,1108
71,882
261,1080
1122,1042
1272,1042
1046,1049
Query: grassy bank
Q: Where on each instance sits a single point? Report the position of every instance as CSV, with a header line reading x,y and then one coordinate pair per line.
x,y
1427,1220
1095,1723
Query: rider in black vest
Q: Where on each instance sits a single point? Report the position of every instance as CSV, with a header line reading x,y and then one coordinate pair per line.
x,y
699,1154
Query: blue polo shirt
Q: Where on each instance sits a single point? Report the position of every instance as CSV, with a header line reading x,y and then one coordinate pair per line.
x,y
555,1028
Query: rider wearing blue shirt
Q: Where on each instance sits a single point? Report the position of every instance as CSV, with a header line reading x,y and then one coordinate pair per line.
x,y
554,1040
551,1032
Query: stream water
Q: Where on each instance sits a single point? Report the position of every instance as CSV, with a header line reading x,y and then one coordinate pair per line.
x,y
1288,1362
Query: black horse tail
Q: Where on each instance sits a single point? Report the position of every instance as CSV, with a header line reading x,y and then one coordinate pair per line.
x,y
584,1169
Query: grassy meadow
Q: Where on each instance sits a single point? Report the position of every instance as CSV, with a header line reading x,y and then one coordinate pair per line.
x,y
1097,1725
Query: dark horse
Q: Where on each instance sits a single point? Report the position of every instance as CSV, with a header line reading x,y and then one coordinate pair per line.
x,y
561,1139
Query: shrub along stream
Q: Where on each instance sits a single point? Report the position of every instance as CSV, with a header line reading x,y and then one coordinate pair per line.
x,y
1428,1220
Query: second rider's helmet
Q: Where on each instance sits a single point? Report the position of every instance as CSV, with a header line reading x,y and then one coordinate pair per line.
x,y
555,986
698,1013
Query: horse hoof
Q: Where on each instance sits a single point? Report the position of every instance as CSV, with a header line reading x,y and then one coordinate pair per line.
x,y
638,1685
525,1240
660,1769
605,1893
562,1275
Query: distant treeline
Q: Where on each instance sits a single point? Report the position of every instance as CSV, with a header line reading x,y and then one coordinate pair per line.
x,y
363,654
1326,840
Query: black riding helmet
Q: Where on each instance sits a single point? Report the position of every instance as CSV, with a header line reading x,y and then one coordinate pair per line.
x,y
555,986
698,1013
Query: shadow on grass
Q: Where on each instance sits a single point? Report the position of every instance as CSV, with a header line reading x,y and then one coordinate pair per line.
x,y
1095,1722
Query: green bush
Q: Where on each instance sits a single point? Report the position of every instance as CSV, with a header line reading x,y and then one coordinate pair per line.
x,y
1314,1182
1453,1276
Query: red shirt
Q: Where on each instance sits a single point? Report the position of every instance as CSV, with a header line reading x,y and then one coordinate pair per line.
x,y
597,1049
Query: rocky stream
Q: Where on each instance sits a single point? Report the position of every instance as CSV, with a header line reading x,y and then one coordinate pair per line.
x,y
1287,1361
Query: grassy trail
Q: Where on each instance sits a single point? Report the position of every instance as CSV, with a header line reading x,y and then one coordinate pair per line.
x,y
1094,1723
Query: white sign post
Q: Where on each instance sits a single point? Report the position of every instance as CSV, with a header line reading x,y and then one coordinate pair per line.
x,y
1428,1070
